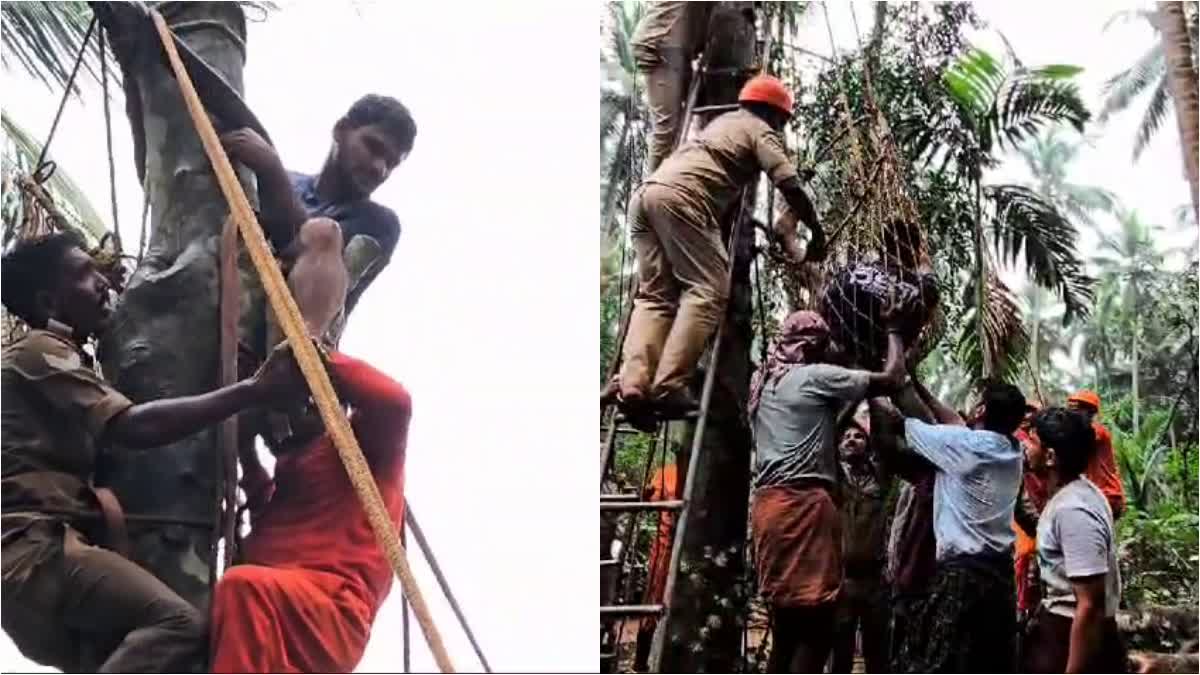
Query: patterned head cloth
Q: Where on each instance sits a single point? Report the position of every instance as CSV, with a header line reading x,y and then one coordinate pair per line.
x,y
803,338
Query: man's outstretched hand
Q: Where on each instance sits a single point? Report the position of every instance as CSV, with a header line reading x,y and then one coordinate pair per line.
x,y
251,149
815,251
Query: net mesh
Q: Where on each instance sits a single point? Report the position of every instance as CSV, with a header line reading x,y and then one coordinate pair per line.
x,y
877,249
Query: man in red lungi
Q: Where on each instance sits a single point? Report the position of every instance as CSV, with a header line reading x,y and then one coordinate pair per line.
x,y
312,576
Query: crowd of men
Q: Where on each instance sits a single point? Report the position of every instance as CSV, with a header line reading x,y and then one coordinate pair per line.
x,y
310,577
950,588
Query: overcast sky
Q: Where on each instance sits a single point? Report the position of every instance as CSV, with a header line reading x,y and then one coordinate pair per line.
x,y
488,310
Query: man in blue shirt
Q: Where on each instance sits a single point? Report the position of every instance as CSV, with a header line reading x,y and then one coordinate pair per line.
x,y
310,219
969,618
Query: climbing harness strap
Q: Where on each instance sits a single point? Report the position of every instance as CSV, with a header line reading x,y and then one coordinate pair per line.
x,y
305,352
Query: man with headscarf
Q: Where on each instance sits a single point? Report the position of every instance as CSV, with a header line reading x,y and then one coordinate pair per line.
x,y
794,403
1102,469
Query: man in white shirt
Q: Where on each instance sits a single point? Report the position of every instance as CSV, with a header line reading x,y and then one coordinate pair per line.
x,y
968,622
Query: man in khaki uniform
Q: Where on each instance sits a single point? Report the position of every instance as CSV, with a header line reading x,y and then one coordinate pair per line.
x,y
674,221
67,602
667,38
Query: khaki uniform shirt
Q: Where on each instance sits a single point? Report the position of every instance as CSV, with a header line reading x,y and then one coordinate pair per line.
x,y
711,169
671,25
53,410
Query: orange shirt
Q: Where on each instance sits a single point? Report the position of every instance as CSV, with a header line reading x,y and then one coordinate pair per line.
x,y
1103,470
663,486
312,576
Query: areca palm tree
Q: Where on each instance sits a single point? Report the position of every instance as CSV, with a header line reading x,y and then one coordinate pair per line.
x,y
998,107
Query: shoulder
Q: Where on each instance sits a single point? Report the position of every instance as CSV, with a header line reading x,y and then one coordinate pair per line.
x,y
1103,435
384,224
41,352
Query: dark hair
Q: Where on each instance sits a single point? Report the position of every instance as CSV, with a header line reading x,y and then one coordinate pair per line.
x,y
1069,434
32,266
1003,407
386,112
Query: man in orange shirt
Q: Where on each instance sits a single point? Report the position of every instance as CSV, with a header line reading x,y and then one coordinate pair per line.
x,y
664,486
312,576
1102,469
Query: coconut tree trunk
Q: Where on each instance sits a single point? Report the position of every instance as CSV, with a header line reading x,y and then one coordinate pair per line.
x,y
705,634
164,340
1181,78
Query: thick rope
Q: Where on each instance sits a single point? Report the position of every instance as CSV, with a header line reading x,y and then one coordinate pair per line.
x,y
62,104
112,169
288,315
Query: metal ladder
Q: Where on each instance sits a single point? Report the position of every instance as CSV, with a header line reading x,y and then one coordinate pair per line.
x,y
615,430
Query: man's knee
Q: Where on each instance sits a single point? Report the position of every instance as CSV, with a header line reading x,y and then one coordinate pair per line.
x,y
321,234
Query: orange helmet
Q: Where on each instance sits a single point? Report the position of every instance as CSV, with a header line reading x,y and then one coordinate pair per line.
x,y
1086,397
769,90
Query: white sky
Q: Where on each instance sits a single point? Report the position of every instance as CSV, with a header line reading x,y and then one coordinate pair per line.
x,y
488,309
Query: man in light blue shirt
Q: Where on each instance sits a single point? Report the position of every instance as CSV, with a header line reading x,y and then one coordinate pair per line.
x,y
969,620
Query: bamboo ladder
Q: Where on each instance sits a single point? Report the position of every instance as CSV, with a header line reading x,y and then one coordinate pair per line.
x,y
288,315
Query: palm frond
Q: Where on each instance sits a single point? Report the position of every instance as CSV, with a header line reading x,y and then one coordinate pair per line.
x,y
1000,348
25,150
1121,89
44,38
1036,99
1152,120
1023,222
1005,107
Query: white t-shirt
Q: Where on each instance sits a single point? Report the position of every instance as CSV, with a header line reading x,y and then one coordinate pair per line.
x,y
1075,539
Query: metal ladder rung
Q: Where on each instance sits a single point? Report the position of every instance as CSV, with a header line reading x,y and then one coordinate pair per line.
x,y
612,562
716,108
620,430
625,497
665,505
630,610
689,415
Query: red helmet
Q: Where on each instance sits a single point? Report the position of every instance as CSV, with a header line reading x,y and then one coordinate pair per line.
x,y
769,90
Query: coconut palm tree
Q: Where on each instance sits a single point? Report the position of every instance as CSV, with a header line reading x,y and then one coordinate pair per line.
x,y
623,112
1168,71
1179,41
165,342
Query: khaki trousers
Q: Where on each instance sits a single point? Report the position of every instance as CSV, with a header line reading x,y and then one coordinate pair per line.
x,y
683,267
91,610
668,74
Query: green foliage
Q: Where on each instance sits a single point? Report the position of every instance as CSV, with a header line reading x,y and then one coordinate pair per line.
x,y
1158,535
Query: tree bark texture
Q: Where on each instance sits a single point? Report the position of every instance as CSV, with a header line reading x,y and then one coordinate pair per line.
x,y
705,631
164,339
1185,92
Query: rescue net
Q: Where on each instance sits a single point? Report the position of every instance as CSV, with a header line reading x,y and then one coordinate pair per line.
x,y
877,246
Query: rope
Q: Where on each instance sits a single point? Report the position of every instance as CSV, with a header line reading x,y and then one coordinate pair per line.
x,y
112,169
288,315
66,94
410,519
